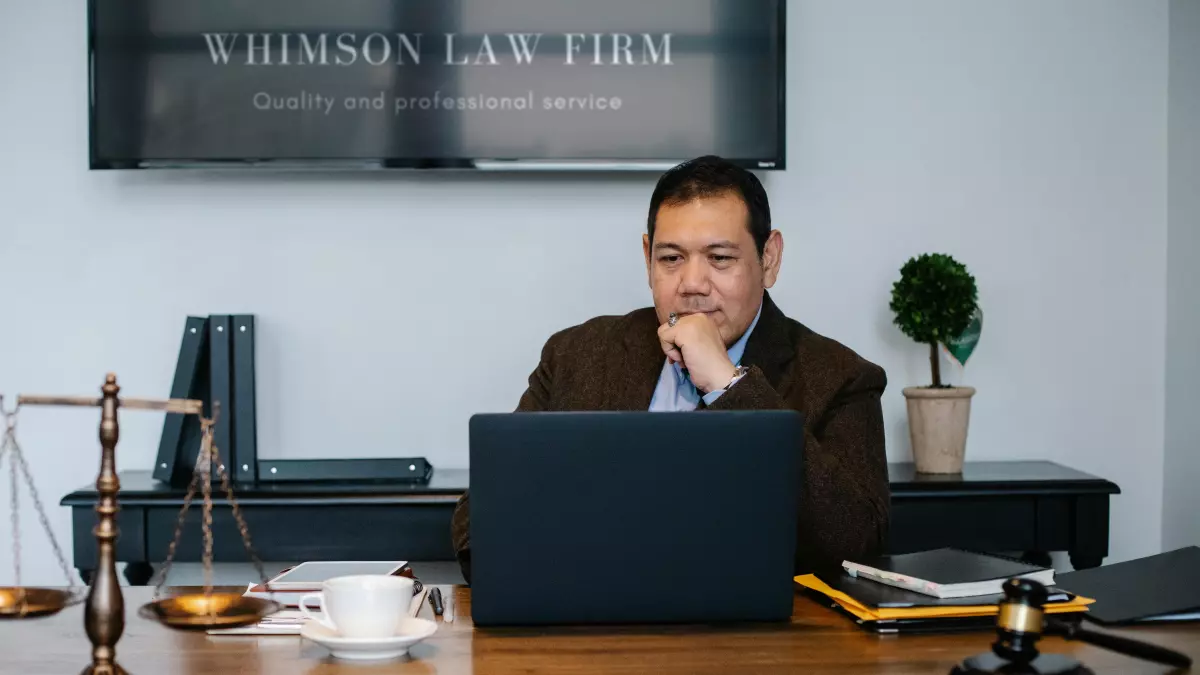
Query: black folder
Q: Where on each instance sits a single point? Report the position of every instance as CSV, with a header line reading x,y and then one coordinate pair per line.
x,y
244,456
1158,588
181,433
220,363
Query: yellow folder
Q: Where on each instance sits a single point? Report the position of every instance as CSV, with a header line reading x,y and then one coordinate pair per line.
x,y
810,581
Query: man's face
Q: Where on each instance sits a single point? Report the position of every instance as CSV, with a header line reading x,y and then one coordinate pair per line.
x,y
703,259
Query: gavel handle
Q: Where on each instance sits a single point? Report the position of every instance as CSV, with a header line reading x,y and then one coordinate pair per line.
x,y
1135,648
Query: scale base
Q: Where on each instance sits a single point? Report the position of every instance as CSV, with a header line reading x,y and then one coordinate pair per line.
x,y
988,663
114,669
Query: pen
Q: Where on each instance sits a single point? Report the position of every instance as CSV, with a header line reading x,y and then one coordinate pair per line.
x,y
435,599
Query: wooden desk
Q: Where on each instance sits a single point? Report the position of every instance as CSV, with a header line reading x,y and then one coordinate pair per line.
x,y
816,640
1034,507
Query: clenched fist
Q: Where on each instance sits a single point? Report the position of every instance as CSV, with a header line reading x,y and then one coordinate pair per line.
x,y
695,342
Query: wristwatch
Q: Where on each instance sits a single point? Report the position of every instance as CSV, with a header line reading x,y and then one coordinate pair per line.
x,y
739,373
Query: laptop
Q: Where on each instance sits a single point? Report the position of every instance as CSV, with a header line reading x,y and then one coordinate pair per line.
x,y
633,517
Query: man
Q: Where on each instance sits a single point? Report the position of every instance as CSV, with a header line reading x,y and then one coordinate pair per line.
x,y
715,340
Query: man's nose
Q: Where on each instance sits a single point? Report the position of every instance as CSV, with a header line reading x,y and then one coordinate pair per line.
x,y
695,278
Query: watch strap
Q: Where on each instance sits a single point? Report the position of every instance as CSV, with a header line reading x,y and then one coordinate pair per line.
x,y
737,376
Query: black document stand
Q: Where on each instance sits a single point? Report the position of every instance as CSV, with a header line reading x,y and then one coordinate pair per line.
x,y
216,364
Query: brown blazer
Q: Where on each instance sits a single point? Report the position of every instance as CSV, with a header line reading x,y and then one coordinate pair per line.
x,y
614,362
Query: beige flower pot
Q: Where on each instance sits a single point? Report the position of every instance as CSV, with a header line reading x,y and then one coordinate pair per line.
x,y
937,423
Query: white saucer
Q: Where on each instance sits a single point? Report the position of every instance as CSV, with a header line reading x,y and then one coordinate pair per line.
x,y
411,631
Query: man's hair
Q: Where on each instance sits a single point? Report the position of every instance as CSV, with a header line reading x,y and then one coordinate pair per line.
x,y
712,176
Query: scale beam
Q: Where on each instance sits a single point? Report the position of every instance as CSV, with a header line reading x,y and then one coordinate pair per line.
x,y
172,405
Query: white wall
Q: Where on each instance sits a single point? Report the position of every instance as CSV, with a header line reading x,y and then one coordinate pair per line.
x,y
1026,138
1181,501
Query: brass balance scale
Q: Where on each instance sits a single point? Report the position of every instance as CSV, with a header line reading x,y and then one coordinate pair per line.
x,y
104,611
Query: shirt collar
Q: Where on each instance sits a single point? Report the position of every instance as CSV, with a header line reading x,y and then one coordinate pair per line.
x,y
735,351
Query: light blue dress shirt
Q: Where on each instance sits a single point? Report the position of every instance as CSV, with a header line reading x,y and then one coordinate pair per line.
x,y
675,391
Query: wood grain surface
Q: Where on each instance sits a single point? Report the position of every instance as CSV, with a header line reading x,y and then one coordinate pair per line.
x,y
816,640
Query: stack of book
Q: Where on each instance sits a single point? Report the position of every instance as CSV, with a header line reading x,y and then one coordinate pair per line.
x,y
931,591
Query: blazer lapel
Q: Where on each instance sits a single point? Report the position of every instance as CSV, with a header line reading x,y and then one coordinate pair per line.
x,y
770,345
636,376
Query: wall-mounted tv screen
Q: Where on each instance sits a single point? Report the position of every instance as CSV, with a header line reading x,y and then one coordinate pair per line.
x,y
474,84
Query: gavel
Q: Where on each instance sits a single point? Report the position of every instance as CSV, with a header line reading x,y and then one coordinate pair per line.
x,y
1022,622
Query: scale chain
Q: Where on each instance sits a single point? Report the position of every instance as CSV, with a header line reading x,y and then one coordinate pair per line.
x,y
187,502
237,514
17,462
16,504
208,538
202,477
19,457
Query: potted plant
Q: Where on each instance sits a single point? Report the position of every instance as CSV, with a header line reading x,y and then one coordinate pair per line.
x,y
935,301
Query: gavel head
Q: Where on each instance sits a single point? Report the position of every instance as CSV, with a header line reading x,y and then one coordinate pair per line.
x,y
1019,625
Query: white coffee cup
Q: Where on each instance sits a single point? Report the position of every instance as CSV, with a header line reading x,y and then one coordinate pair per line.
x,y
362,606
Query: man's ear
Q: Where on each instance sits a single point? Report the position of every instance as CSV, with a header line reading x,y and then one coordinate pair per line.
x,y
646,252
772,258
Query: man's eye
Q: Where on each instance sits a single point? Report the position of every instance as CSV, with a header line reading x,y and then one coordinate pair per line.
x,y
722,258
669,258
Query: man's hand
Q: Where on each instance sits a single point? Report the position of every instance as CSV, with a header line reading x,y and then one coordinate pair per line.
x,y
695,342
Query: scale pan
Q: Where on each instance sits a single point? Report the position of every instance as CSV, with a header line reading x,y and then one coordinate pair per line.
x,y
201,611
19,602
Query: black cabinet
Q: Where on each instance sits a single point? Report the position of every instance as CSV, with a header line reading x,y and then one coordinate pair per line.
x,y
1033,507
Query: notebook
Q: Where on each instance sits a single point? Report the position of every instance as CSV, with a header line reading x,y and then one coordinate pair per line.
x,y
880,596
308,576
293,583
1158,588
948,572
